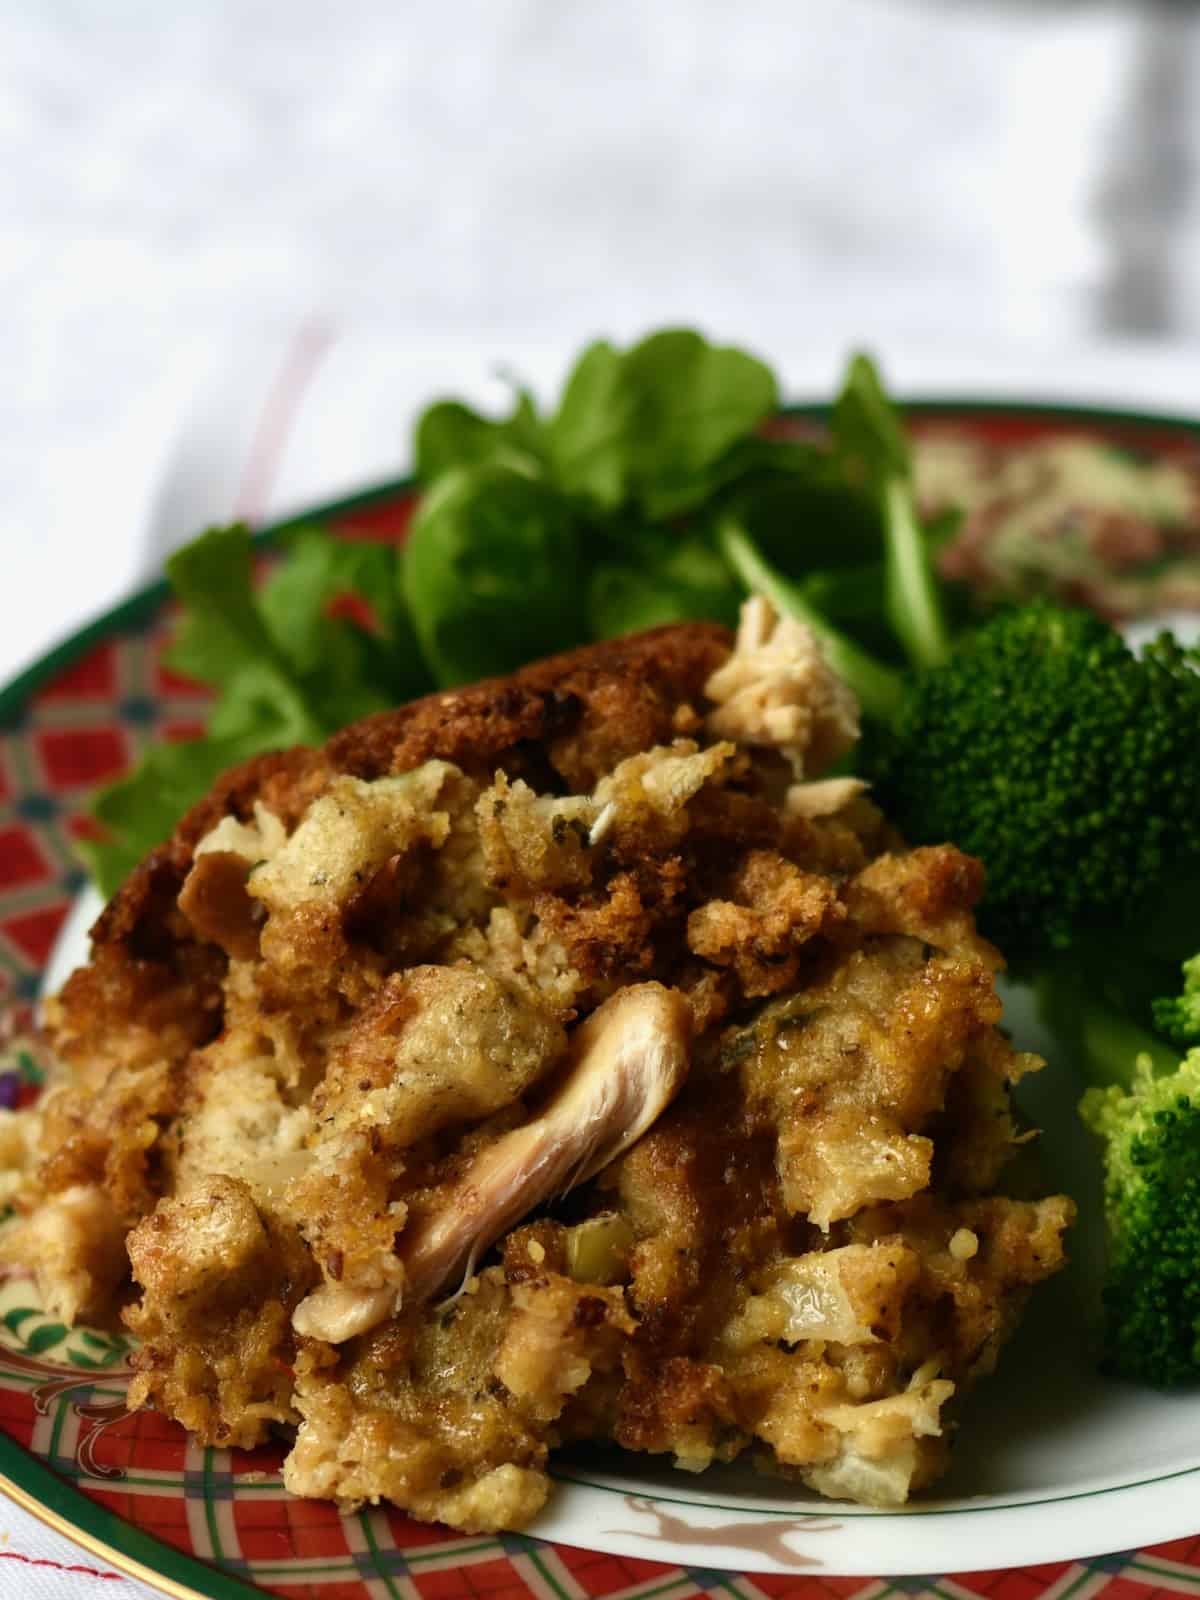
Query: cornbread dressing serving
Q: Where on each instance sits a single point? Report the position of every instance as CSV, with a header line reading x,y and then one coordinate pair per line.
x,y
566,1057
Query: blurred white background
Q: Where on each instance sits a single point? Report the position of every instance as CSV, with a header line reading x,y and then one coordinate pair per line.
x,y
241,242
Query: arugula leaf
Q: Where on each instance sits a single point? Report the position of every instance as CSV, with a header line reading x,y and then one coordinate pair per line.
x,y
492,572
280,659
343,666
649,426
286,670
868,432
221,629
676,579
850,598
805,515
449,434
586,434
293,601
825,537
869,439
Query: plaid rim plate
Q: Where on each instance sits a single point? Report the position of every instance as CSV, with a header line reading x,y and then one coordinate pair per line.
x,y
133,1488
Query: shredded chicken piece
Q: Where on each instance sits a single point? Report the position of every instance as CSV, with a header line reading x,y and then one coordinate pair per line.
x,y
630,1058
438,1046
255,841
778,690
822,798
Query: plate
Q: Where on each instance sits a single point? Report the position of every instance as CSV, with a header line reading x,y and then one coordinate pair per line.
x,y
1061,1464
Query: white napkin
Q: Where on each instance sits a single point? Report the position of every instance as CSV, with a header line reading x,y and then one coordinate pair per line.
x,y
39,1564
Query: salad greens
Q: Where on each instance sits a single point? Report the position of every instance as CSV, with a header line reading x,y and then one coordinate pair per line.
x,y
670,495
653,492
870,440
286,668
494,559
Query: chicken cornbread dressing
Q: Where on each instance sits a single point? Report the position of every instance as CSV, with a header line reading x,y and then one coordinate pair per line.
x,y
565,1057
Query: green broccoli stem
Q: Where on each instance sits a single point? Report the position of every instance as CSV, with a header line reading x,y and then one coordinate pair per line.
x,y
1103,1040
912,591
879,688
1101,997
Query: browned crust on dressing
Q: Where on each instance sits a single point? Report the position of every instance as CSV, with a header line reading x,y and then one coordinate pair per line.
x,y
569,718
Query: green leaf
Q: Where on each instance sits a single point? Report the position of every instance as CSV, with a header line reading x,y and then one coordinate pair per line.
x,y
339,659
649,426
286,670
805,517
492,573
586,433
292,602
848,596
823,536
870,440
676,579
29,1069
287,667
330,660
449,434
867,429
13,1319
78,1359
222,630
45,1337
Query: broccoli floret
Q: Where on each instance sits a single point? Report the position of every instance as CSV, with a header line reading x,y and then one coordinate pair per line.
x,y
1069,765
1178,1016
1151,1134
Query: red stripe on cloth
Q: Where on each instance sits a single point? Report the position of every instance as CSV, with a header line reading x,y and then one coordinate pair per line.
x,y
300,362
59,1566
